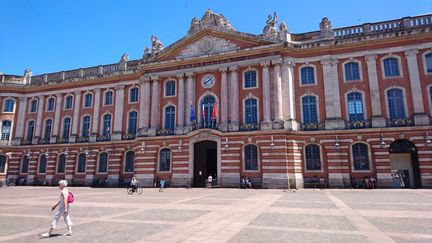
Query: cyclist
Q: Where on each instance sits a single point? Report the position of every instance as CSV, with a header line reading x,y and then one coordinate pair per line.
x,y
134,184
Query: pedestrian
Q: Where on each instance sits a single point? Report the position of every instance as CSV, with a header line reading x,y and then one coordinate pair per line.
x,y
63,210
209,181
162,185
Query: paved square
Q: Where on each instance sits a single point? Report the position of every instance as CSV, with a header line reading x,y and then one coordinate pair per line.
x,y
220,215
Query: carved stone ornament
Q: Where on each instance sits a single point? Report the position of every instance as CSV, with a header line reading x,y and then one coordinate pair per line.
x,y
206,44
157,45
270,30
209,20
325,24
124,58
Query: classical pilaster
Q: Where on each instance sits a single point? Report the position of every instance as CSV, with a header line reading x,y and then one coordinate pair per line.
x,y
144,108
224,99
288,95
377,118
20,121
154,117
277,91
118,116
331,92
56,125
38,120
94,128
180,104
266,124
76,120
234,100
190,99
420,117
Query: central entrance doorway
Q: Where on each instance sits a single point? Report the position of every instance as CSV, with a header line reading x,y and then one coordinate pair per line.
x,y
404,162
205,162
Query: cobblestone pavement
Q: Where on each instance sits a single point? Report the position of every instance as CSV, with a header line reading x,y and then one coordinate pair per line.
x,y
220,215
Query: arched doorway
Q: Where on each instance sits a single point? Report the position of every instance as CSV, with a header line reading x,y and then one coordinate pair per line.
x,y
205,162
404,159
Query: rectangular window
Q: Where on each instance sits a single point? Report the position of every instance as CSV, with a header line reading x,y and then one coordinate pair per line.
x,y
88,100
307,75
68,103
133,95
108,98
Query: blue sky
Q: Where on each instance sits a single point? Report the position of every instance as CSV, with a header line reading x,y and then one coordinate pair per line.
x,y
55,35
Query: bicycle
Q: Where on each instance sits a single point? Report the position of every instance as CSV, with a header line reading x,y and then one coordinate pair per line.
x,y
138,190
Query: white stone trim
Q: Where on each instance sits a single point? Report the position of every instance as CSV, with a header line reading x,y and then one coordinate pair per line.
x,y
159,157
244,78
321,157
360,70
424,62
371,164
307,64
175,87
404,99
244,158
309,93
14,106
354,90
104,97
391,55
124,162
251,96
77,162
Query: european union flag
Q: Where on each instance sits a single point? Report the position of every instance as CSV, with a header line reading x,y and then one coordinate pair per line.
x,y
192,113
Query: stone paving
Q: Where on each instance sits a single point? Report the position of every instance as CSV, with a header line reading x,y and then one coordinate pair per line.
x,y
220,215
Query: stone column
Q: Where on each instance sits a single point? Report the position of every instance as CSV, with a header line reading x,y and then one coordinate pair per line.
x,y
277,105
288,96
420,117
224,99
266,124
375,96
180,104
234,100
19,134
190,99
332,98
56,124
144,109
94,129
118,116
76,119
39,122
154,118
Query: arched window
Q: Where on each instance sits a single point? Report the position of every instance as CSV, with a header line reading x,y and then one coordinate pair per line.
x,y
88,100
133,95
2,164
133,119
307,75
106,125
165,160
170,88
85,127
313,157
129,161
66,127
47,133
68,103
206,111
169,117
355,106
251,111
428,59
309,108
103,163
352,71
42,164
251,157
30,130
82,160
25,164
33,105
6,130
50,104
9,105
391,67
360,156
108,98
395,103
250,79
61,163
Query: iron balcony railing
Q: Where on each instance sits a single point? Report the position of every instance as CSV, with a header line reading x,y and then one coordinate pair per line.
x,y
400,122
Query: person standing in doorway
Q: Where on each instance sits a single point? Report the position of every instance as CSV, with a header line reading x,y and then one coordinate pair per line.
x,y
209,181
63,210
162,185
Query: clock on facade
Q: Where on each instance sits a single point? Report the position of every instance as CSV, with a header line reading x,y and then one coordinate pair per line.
x,y
208,81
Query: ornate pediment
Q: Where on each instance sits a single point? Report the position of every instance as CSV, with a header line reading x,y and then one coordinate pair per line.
x,y
207,45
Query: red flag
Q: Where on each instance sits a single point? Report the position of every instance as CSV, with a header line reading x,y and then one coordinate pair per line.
x,y
202,112
214,112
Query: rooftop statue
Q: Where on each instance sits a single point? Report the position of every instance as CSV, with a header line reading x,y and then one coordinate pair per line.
x,y
27,72
283,27
209,20
325,24
157,45
270,30
124,58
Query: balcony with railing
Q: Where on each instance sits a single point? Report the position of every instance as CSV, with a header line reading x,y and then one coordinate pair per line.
x,y
400,122
103,138
164,132
82,139
358,124
312,126
44,141
62,140
249,127
128,136
26,142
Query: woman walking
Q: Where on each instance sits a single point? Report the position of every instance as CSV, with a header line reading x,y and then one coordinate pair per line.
x,y
63,210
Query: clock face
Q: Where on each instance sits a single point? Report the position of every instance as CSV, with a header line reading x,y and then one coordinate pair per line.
x,y
208,81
